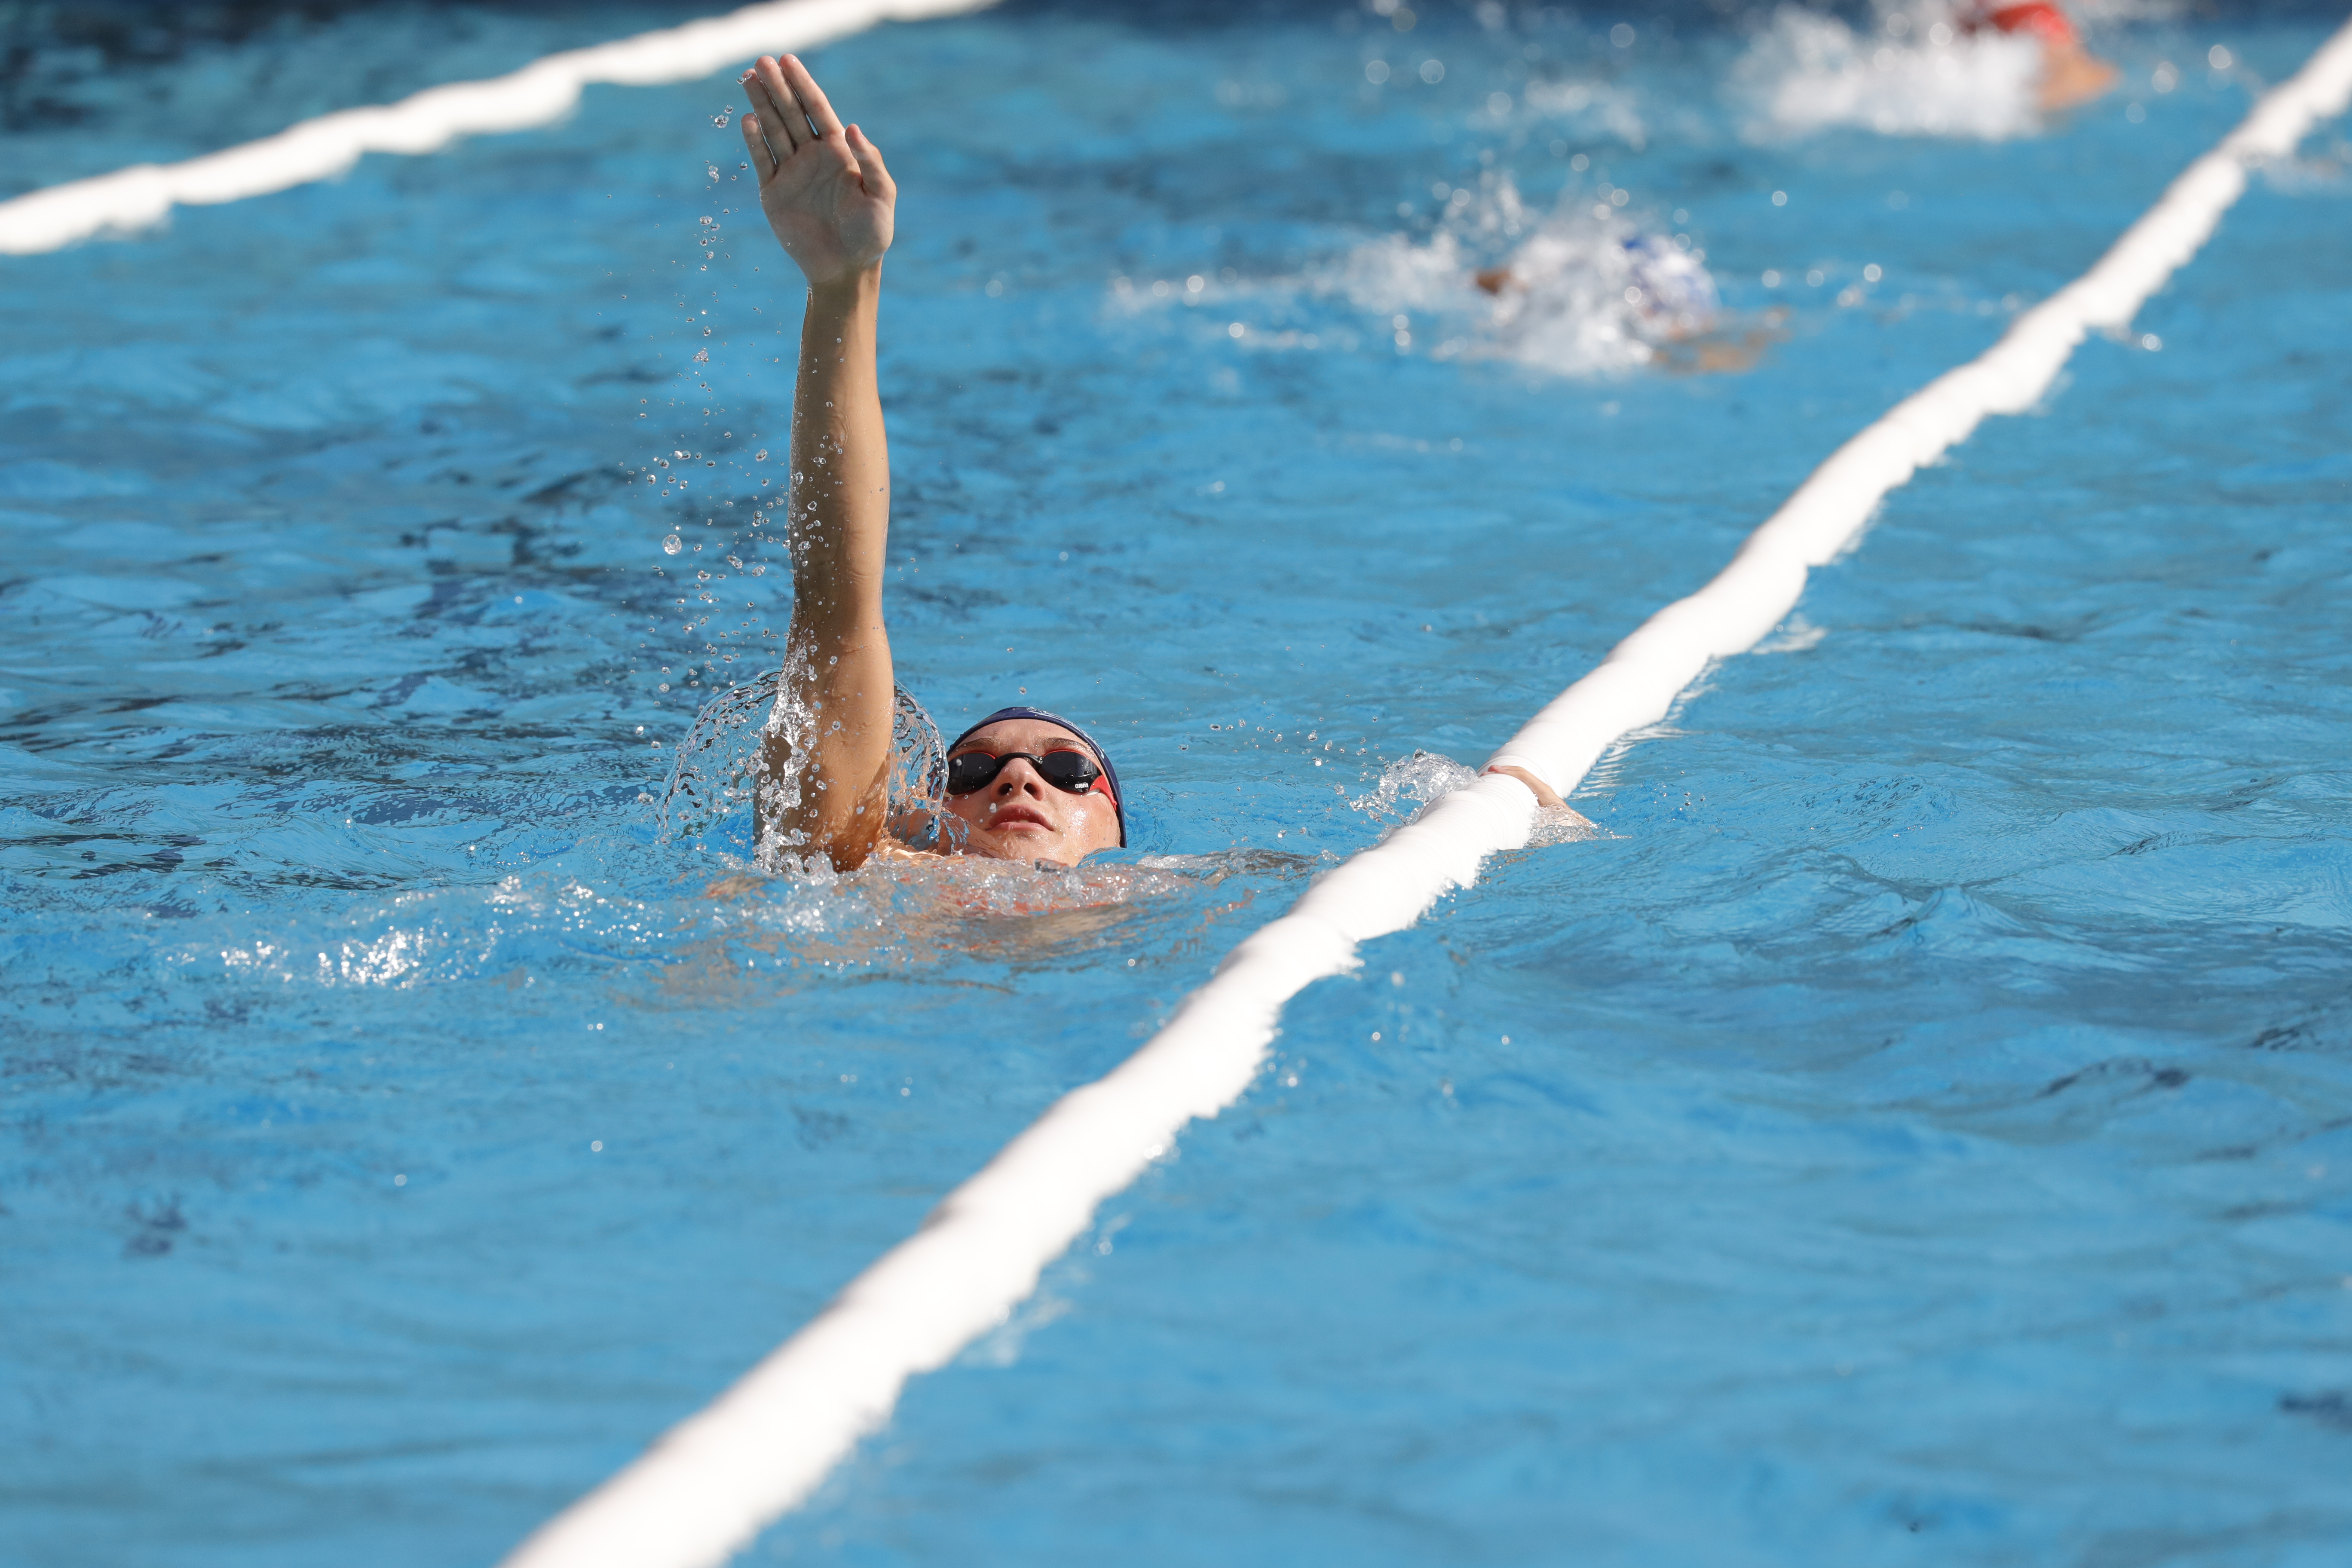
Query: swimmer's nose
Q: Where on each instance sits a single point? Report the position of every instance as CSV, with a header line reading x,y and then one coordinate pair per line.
x,y
1027,780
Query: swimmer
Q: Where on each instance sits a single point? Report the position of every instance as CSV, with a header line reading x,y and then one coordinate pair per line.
x,y
1023,784
1672,295
1669,299
2071,74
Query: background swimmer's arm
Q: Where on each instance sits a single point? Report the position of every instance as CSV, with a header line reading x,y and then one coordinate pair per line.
x,y
831,203
1545,796
2072,75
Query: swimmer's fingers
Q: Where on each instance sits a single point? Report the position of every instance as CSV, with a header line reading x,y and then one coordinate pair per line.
x,y
774,136
780,112
804,87
755,141
878,182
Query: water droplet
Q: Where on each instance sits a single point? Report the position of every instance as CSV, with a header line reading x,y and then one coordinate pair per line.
x,y
672,544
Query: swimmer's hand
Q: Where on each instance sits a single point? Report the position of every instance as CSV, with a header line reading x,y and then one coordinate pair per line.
x,y
823,186
2072,75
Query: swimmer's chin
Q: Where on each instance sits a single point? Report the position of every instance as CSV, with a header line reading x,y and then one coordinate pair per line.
x,y
1029,846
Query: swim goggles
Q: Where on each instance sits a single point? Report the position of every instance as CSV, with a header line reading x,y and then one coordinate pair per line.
x,y
1070,770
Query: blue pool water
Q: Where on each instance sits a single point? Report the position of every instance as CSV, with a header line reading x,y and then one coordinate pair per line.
x,y
1920,1131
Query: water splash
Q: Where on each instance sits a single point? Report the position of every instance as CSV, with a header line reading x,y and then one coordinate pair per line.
x,y
1581,290
721,767
723,928
1809,71
1410,785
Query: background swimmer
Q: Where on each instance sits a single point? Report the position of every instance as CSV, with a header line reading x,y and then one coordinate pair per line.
x,y
2071,74
1565,277
1672,296
1988,70
1022,785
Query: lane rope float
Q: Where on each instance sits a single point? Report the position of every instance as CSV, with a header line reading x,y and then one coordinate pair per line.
x,y
541,93
710,1483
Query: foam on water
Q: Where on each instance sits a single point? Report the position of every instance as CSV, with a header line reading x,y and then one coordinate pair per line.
x,y
1594,111
1582,289
1810,70
1579,290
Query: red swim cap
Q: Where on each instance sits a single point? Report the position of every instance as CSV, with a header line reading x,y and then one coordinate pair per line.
x,y
2036,16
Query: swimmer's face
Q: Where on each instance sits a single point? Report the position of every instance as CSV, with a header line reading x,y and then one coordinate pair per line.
x,y
1017,815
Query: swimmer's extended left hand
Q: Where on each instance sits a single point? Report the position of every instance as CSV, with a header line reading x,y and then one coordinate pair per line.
x,y
822,184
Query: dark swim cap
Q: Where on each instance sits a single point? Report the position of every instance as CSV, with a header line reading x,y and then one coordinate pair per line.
x,y
1117,795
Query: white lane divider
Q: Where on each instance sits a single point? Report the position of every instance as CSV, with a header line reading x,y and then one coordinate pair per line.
x,y
706,1488
540,94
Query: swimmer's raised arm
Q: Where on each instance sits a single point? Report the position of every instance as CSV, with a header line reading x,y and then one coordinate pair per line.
x,y
831,203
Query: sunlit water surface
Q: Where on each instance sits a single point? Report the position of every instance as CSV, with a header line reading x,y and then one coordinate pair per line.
x,y
1920,1131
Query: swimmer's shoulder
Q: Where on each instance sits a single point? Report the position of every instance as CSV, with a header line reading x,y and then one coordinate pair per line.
x,y
897,850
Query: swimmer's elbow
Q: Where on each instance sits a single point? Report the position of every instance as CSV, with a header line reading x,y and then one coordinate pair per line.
x,y
1545,796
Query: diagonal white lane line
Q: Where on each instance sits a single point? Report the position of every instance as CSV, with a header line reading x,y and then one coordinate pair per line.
x,y
709,1486
540,93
